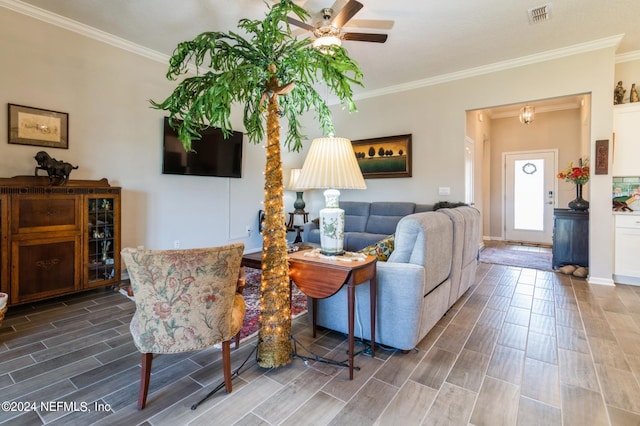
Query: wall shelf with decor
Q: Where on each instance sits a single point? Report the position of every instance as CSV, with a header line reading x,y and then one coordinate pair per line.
x,y
57,239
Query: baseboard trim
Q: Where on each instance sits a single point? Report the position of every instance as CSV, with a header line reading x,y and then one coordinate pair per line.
x,y
627,280
601,281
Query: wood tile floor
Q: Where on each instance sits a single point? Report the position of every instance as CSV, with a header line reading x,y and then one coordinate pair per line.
x,y
523,347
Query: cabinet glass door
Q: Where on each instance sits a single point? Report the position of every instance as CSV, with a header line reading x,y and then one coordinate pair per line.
x,y
101,242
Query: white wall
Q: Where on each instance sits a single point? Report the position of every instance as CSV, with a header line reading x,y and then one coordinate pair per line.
x,y
114,134
435,116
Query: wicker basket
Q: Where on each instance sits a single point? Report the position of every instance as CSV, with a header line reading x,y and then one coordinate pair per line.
x,y
2,312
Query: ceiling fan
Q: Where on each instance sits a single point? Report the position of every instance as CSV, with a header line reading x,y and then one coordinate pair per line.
x,y
330,21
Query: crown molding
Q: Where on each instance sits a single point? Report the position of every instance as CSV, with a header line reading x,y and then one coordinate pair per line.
x,y
82,29
628,57
498,66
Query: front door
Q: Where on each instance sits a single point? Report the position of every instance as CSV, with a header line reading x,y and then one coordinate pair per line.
x,y
529,194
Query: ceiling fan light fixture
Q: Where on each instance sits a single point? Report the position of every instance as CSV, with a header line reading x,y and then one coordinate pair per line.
x,y
326,41
527,114
327,27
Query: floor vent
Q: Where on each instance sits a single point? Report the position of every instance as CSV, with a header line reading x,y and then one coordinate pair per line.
x,y
539,14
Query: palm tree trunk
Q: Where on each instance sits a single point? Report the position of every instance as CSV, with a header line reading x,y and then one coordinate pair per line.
x,y
274,342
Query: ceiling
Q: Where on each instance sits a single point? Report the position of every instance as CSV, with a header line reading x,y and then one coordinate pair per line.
x,y
430,38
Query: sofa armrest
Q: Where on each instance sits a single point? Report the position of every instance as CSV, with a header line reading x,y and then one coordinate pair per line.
x,y
405,280
400,303
411,273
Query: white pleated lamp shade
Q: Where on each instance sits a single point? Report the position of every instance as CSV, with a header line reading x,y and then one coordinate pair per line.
x,y
293,180
331,163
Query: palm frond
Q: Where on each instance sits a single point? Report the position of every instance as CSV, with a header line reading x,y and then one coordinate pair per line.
x,y
233,69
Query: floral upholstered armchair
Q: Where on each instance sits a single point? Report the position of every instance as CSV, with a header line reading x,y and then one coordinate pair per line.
x,y
186,300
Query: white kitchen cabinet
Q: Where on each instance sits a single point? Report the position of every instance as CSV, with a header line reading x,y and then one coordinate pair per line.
x,y
627,247
626,148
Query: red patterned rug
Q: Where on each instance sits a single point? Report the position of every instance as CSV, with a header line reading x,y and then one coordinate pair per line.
x,y
251,296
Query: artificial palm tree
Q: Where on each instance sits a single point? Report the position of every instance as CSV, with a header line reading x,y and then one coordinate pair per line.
x,y
271,73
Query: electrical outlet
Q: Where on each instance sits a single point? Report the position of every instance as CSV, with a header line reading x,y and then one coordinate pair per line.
x,y
176,244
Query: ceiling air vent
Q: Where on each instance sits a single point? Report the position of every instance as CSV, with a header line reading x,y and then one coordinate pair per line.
x,y
539,14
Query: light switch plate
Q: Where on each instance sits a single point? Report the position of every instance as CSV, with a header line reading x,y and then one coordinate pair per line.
x,y
444,190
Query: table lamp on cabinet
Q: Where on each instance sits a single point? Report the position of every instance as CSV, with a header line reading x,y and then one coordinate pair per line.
x,y
332,165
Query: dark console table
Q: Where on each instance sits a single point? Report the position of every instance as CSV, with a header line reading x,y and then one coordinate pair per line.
x,y
570,238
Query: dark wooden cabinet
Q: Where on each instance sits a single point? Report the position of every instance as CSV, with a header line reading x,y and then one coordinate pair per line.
x,y
44,266
570,238
57,239
4,245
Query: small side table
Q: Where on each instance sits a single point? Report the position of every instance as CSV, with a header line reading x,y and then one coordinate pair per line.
x,y
297,228
292,215
319,278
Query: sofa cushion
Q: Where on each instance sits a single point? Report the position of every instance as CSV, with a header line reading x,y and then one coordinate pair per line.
x,y
384,216
356,214
354,241
381,249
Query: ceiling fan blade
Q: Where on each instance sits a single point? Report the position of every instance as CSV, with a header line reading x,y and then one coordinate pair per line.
x,y
346,13
300,32
374,38
339,4
300,24
376,24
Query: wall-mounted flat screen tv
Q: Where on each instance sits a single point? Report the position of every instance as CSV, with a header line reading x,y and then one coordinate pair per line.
x,y
212,155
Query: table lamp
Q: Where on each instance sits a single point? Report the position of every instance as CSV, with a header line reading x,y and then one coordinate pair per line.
x,y
331,163
298,204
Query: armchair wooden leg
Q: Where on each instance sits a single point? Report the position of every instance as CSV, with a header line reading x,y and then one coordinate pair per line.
x,y
226,364
238,339
145,376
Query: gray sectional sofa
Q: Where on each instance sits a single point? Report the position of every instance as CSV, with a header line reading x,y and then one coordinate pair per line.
x,y
433,264
366,223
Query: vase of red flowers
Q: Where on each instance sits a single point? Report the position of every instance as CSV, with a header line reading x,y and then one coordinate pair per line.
x,y
579,175
579,203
